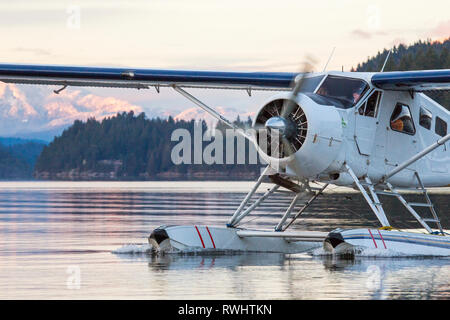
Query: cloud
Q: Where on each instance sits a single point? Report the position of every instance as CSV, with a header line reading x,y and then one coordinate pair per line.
x,y
442,30
36,51
367,34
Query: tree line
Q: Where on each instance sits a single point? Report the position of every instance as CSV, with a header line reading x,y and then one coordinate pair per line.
x,y
129,146
422,55
17,159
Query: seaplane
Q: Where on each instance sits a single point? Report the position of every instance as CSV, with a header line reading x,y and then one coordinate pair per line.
x,y
375,132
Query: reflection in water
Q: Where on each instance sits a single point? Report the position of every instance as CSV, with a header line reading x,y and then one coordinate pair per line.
x,y
229,261
303,277
44,232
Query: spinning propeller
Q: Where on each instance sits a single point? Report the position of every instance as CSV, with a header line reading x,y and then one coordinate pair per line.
x,y
284,120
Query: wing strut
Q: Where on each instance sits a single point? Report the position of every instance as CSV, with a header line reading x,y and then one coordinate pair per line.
x,y
213,112
416,157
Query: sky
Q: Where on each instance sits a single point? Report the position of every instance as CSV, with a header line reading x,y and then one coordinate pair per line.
x,y
211,35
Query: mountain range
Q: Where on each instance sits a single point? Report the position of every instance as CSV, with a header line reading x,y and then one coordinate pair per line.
x,y
36,112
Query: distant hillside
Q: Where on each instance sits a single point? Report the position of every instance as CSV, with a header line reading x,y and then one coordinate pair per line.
x,y
44,136
27,151
17,158
127,147
419,56
11,141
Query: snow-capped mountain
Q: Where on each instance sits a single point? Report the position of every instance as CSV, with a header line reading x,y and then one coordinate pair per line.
x,y
25,110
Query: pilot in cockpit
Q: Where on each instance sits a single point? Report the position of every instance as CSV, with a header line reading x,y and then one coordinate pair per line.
x,y
356,97
358,92
322,91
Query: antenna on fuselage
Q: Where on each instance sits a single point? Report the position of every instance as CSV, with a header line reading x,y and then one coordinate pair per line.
x,y
386,60
331,55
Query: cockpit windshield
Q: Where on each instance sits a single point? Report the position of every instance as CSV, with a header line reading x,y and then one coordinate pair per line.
x,y
344,92
310,84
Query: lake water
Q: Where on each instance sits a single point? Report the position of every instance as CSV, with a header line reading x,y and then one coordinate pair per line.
x,y
57,241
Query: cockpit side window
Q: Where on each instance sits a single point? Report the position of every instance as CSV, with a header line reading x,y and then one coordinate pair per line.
x,y
441,127
345,92
401,119
370,107
426,118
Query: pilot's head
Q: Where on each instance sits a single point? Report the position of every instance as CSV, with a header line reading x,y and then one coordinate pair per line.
x,y
358,92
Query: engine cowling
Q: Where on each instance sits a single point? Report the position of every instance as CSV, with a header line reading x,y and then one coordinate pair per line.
x,y
313,136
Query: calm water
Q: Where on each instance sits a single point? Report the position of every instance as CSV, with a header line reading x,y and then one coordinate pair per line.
x,y
57,241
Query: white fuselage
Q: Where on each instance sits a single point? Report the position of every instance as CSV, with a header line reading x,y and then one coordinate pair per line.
x,y
371,143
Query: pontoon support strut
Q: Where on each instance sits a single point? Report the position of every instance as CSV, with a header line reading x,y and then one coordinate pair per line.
x,y
374,206
255,204
307,204
288,212
232,222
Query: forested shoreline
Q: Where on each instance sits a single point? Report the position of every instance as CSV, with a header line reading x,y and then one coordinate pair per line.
x,y
130,147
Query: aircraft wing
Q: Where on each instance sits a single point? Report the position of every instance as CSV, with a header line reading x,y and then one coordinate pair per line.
x,y
142,78
429,80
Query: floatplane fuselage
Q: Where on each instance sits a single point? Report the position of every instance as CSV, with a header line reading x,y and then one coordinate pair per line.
x,y
375,132
372,132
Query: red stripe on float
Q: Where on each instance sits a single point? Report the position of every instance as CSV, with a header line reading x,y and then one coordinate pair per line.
x,y
201,239
373,238
207,229
384,244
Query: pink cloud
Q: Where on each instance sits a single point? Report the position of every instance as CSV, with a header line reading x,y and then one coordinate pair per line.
x,y
442,30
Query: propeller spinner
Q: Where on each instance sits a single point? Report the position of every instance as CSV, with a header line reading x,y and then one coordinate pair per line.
x,y
281,136
285,127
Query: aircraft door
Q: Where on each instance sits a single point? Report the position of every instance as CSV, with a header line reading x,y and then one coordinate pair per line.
x,y
366,123
401,141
